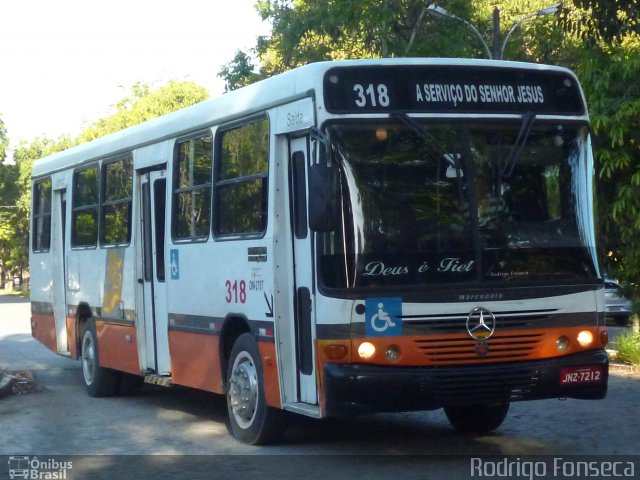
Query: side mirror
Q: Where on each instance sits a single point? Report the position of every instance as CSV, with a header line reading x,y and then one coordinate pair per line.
x,y
323,197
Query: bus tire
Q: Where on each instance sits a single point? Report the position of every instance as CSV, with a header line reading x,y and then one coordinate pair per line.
x,y
477,418
99,381
251,420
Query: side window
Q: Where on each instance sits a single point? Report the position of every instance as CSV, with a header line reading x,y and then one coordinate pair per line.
x,y
241,180
84,228
117,178
192,188
41,231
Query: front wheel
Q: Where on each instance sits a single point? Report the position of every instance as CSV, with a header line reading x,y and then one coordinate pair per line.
x,y
99,381
477,418
251,420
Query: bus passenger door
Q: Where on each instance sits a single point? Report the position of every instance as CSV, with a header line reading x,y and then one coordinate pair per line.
x,y
304,314
58,229
152,240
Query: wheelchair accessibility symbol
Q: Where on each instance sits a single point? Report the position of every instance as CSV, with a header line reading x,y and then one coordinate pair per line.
x,y
383,316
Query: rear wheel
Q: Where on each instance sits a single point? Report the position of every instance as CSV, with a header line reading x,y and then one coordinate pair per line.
x,y
251,420
99,381
477,418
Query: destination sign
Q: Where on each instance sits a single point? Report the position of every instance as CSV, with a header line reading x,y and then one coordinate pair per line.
x,y
451,89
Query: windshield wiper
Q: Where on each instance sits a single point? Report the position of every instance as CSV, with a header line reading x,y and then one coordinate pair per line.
x,y
432,143
525,128
420,131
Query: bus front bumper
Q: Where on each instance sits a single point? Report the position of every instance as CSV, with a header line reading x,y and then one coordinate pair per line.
x,y
359,388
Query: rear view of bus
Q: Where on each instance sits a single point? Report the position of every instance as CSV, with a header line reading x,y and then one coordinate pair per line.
x,y
462,238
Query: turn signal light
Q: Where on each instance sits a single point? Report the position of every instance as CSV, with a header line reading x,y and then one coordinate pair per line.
x,y
335,352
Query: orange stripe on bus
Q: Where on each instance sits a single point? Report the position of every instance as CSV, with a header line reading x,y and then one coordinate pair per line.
x,y
195,361
324,355
458,349
43,329
72,340
117,347
270,371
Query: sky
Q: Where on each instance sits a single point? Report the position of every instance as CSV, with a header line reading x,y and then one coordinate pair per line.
x,y
64,63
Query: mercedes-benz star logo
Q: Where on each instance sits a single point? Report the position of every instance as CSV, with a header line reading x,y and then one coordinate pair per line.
x,y
481,324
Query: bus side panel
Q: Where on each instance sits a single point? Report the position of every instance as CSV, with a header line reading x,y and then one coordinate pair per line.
x,y
117,347
43,329
72,340
270,371
195,360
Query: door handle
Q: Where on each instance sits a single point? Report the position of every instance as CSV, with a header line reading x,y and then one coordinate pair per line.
x,y
140,281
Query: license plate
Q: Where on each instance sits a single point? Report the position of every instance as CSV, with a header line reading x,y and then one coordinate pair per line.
x,y
577,375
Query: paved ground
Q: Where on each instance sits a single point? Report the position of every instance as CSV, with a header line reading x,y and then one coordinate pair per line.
x,y
62,420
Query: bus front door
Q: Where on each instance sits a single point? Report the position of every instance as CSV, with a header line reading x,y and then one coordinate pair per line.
x,y
152,240
304,313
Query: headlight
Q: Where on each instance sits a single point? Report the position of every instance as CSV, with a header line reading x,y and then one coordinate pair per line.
x,y
366,350
585,338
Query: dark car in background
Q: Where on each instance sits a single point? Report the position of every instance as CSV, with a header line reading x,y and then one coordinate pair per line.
x,y
617,306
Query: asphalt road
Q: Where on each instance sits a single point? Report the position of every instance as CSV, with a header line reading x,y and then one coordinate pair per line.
x,y
162,425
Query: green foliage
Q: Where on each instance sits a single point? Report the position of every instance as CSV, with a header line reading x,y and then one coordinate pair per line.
x,y
239,72
14,227
15,179
629,347
8,195
4,142
143,105
306,31
609,75
602,21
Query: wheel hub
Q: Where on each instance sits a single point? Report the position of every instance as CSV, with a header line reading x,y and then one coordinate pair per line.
x,y
88,359
243,391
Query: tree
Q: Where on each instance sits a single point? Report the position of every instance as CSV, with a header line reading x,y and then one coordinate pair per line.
x,y
8,195
14,227
609,75
306,31
603,21
144,104
15,179
239,72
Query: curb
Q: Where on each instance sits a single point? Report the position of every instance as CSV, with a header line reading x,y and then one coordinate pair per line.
x,y
6,384
620,367
624,368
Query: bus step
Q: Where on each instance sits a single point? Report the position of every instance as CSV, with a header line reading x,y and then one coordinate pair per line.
x,y
162,380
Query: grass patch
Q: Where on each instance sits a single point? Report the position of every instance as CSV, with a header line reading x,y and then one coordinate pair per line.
x,y
629,348
15,293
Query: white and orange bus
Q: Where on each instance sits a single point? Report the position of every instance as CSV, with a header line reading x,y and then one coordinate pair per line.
x,y
344,238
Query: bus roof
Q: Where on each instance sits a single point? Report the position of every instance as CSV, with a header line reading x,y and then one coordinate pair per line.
x,y
296,83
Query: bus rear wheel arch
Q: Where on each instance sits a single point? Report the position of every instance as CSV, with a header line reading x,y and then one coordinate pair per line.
x,y
251,420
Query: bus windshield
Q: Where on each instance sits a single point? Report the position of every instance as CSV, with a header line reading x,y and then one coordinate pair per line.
x,y
460,202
